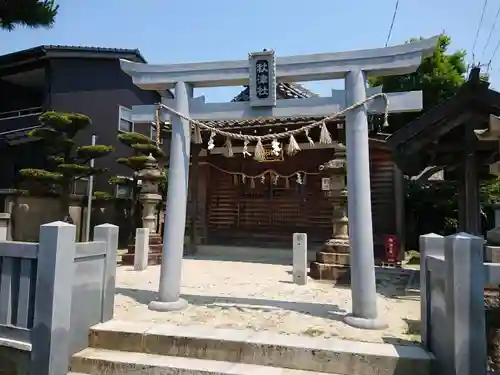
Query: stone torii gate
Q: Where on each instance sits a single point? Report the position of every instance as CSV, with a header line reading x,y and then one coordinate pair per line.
x,y
353,66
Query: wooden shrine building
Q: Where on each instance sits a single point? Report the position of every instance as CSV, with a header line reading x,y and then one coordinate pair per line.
x,y
243,202
459,137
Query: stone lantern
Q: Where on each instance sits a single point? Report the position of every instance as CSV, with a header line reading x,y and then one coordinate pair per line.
x,y
150,177
333,262
149,196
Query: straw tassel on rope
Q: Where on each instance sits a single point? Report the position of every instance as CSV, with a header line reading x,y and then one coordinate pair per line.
x,y
229,148
324,137
293,146
245,149
259,153
386,112
309,139
197,135
158,126
211,141
386,122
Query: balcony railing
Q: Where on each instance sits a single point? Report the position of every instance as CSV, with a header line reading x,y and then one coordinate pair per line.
x,y
15,125
33,111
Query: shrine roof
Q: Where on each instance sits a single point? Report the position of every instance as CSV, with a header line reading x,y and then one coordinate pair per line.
x,y
284,90
420,140
262,122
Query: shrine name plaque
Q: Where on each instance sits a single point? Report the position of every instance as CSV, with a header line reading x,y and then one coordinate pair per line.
x,y
271,156
262,79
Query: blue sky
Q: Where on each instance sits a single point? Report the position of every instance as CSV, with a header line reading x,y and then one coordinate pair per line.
x,y
195,30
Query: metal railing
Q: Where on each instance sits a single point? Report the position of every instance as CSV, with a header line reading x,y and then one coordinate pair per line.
x,y
21,113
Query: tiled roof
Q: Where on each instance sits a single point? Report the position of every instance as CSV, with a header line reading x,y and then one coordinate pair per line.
x,y
284,90
43,50
257,122
125,51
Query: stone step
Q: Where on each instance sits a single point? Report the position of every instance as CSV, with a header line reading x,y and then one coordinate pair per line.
x,y
111,362
262,348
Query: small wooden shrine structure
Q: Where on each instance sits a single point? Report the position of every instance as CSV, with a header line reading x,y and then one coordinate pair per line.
x,y
241,201
458,137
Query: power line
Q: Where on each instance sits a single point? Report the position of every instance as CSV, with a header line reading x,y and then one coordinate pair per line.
x,y
478,29
392,22
494,53
491,31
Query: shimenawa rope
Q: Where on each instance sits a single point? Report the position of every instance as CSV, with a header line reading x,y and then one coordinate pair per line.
x,y
259,153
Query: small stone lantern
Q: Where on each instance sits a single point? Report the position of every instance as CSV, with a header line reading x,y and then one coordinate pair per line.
x,y
149,195
333,262
150,177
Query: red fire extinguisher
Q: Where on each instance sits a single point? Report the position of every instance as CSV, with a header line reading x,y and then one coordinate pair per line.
x,y
391,248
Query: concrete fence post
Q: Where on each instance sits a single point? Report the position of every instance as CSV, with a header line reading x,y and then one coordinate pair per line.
x,y
4,226
430,244
464,282
299,256
109,234
141,253
54,286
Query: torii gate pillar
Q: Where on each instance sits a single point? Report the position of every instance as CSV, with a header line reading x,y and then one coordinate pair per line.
x,y
351,66
175,213
364,304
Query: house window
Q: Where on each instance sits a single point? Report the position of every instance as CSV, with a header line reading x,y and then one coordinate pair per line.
x,y
123,191
125,123
80,186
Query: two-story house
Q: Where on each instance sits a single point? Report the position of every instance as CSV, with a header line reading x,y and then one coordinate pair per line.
x,y
87,80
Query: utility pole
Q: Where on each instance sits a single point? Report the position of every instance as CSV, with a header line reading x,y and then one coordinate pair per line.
x,y
89,196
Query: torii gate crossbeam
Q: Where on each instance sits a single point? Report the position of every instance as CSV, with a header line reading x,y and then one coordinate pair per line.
x,y
354,68
319,106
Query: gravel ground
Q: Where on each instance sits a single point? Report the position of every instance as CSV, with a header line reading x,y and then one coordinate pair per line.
x,y
244,295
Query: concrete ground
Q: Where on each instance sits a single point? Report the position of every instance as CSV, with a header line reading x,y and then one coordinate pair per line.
x,y
260,296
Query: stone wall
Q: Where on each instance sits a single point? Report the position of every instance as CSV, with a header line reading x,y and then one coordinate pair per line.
x,y
28,213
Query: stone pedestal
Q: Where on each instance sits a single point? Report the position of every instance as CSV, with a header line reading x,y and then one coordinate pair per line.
x,y
333,262
154,255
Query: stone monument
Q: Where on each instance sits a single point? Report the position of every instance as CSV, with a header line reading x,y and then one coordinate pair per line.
x,y
149,197
333,262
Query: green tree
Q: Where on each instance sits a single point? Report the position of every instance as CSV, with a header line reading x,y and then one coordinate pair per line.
x,y
438,77
30,13
431,207
66,161
141,147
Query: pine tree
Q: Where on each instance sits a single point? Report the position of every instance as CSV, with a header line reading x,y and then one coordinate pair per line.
x,y
66,161
30,13
141,146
